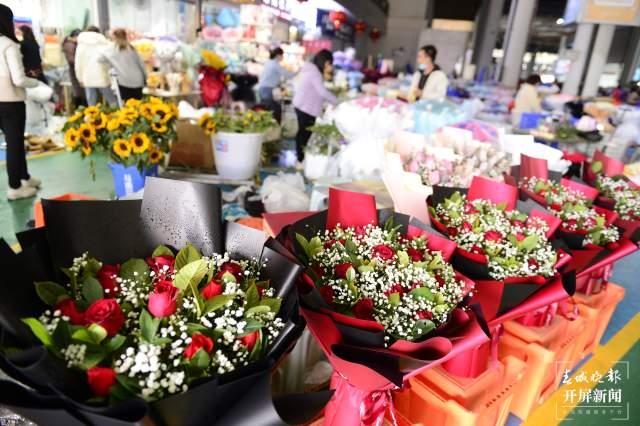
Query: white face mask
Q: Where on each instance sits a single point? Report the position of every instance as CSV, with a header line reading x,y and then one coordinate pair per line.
x,y
422,67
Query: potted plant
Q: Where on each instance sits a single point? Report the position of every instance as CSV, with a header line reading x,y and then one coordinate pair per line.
x,y
237,140
324,144
137,137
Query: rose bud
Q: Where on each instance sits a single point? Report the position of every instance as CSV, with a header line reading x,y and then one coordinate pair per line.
x,y
452,231
101,379
467,227
162,266
107,314
69,309
396,288
341,269
327,294
232,268
107,276
469,209
383,252
555,206
415,254
364,309
162,301
213,289
198,341
532,263
329,244
425,315
477,249
494,236
441,282
249,341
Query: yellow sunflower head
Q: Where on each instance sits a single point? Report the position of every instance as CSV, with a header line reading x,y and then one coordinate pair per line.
x,y
202,121
158,127
156,156
99,121
91,111
139,143
113,124
146,110
154,100
210,127
86,148
162,111
71,138
129,113
133,103
75,117
87,133
122,148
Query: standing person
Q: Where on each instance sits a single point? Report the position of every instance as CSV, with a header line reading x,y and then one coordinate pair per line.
x,y
31,54
271,76
69,48
93,74
13,81
130,69
309,96
527,99
429,82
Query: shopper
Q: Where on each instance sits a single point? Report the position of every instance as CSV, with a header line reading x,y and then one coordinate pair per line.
x,y
129,67
69,46
272,75
31,58
429,82
13,81
93,74
309,96
527,100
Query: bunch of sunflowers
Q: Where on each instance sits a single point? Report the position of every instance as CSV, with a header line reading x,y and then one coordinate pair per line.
x,y
237,122
138,134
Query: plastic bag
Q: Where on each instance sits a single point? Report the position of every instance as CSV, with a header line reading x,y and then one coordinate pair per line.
x,y
284,192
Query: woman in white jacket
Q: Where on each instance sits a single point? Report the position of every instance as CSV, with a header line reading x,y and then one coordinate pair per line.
x,y
429,82
527,99
93,73
13,81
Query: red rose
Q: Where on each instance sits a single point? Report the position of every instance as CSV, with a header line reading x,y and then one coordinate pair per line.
x,y
198,341
466,227
396,288
162,266
327,294
107,276
452,231
383,252
477,249
105,313
364,309
341,269
555,206
101,379
518,223
415,254
330,244
69,309
319,270
249,341
232,268
571,223
532,263
212,289
162,300
441,282
520,236
494,236
425,315
469,209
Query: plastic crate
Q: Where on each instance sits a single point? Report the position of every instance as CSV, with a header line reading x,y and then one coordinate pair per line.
x,y
547,336
426,404
530,120
38,213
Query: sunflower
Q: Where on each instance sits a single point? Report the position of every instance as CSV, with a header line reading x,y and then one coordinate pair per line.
x,y
91,111
71,138
86,148
113,124
202,121
87,132
122,148
155,101
158,127
155,156
130,114
210,127
133,103
99,121
146,110
162,111
75,117
139,143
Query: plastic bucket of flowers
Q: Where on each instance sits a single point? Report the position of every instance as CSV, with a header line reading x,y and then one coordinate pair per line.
x,y
323,145
237,140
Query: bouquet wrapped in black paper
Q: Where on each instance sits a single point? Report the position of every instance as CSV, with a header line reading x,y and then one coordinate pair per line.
x,y
126,309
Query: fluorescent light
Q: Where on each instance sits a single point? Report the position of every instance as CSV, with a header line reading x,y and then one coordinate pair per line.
x,y
560,21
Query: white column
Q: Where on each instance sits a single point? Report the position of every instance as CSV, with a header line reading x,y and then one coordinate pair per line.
x,y
517,39
578,53
598,60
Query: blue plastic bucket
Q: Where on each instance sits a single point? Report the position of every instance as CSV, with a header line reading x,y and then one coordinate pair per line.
x,y
127,180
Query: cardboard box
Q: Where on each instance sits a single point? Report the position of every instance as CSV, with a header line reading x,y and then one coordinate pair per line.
x,y
193,149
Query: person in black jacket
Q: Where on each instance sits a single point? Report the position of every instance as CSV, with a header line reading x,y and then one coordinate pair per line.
x,y
31,54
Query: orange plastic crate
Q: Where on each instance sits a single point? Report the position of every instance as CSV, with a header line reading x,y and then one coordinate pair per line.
x,y
424,404
38,213
548,336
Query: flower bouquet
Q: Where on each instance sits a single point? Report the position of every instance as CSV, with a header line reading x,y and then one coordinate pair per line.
x,y
212,78
123,331
381,300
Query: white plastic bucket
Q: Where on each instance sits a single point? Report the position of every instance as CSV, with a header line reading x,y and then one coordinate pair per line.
x,y
237,155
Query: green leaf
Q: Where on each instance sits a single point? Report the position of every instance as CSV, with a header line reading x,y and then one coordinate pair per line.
x,y
191,273
440,309
257,348
260,309
439,299
97,332
162,251
501,206
403,257
432,212
62,334
114,343
187,255
596,167
304,243
134,269
193,327
456,197
217,302
82,335
228,277
315,246
365,268
350,274
422,327
394,299
251,326
39,330
422,292
273,303
148,325
529,242
435,264
252,297
351,247
91,290
91,268
92,359
200,360
50,292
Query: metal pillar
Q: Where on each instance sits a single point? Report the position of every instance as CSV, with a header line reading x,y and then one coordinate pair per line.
x,y
199,13
598,60
486,34
579,54
631,57
517,39
103,15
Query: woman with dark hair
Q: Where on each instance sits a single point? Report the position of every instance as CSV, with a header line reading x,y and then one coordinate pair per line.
x,y
69,46
129,67
309,96
270,78
13,81
31,54
527,99
429,82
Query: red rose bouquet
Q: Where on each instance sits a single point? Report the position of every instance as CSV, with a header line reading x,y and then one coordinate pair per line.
x,y
382,301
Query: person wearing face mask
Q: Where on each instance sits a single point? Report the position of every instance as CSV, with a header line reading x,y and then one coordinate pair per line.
x,y
429,82
309,96
527,99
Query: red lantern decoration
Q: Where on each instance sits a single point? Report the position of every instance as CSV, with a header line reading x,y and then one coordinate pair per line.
x,y
360,26
338,18
375,33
